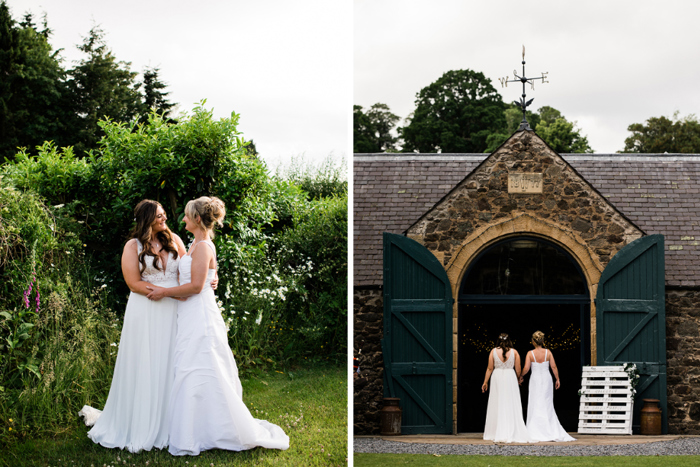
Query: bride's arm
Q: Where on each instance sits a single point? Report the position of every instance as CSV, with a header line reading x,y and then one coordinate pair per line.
x,y
526,368
517,363
131,270
489,370
182,250
553,366
201,258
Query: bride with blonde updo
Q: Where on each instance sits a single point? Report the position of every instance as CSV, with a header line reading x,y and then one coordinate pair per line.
x,y
206,405
542,421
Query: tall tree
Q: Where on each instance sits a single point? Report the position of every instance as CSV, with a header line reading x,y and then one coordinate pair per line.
x,y
153,95
513,115
456,113
101,87
32,86
661,134
9,53
560,134
372,130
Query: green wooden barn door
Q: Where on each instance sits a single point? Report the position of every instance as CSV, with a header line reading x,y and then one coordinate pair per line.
x,y
631,317
417,344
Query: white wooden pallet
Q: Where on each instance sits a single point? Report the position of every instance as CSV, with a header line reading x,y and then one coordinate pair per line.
x,y
606,401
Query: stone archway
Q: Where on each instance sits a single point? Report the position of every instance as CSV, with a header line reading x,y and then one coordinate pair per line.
x,y
522,224
518,285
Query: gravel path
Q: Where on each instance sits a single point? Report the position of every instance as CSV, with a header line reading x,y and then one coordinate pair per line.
x,y
677,447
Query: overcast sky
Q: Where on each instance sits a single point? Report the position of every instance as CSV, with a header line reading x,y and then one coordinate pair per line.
x,y
284,66
610,63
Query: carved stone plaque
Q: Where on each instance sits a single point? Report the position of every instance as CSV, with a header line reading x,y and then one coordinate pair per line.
x,y
525,183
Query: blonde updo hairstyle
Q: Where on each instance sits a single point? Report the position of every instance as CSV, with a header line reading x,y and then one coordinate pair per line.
x,y
538,338
209,210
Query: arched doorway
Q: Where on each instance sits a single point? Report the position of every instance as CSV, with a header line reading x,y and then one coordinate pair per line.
x,y
519,285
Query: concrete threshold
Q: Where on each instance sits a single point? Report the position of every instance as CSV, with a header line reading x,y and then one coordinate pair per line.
x,y
581,440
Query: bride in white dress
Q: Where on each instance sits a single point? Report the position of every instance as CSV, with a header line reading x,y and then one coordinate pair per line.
x,y
206,405
542,421
504,413
135,415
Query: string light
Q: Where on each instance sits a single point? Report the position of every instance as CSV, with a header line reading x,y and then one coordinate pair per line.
x,y
480,339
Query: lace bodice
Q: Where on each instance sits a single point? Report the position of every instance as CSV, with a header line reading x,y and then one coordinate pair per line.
x,y
155,276
509,364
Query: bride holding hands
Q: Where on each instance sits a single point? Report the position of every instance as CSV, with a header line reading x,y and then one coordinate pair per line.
x,y
542,421
135,416
206,405
504,413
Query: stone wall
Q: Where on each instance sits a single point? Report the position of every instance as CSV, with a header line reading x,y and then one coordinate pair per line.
x,y
683,361
367,348
565,200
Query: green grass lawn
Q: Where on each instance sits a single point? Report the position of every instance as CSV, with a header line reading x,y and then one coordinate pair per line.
x,y
417,460
310,404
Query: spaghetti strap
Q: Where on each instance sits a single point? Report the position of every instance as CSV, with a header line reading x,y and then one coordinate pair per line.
x,y
545,355
208,242
533,356
211,245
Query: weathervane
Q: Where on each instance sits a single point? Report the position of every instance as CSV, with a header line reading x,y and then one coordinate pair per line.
x,y
522,103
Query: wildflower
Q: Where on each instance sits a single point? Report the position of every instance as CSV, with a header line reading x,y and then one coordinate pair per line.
x,y
103,286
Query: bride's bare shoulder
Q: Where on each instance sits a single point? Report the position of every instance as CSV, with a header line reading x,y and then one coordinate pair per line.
x,y
131,245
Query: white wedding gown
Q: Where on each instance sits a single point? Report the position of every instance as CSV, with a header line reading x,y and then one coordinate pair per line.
x,y
135,415
504,413
207,409
542,421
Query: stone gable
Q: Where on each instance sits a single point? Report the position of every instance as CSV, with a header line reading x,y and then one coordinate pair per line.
x,y
560,198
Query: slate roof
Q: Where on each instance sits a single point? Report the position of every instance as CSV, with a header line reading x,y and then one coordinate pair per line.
x,y
660,193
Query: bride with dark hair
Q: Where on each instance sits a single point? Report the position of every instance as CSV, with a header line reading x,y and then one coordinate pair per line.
x,y
136,414
504,413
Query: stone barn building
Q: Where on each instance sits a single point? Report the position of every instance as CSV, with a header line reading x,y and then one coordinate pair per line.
x,y
599,251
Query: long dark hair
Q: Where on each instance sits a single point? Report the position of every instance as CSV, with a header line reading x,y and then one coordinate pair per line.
x,y
504,343
145,213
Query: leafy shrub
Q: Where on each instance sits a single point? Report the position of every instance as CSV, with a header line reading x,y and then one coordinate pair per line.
x,y
322,181
319,238
168,162
282,253
55,354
